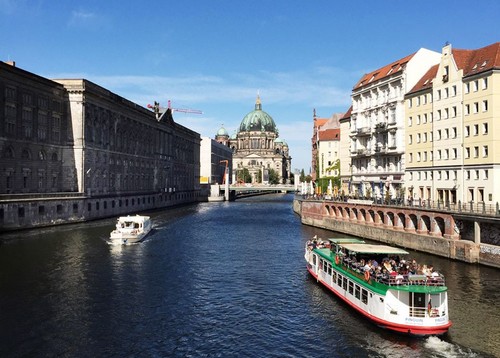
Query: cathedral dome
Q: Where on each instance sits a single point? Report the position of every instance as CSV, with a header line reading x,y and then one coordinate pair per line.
x,y
258,120
222,132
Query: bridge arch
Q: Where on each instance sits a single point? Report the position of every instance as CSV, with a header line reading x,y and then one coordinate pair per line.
x,y
439,228
425,224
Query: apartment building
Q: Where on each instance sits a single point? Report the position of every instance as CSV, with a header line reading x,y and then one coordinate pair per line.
x,y
453,140
377,125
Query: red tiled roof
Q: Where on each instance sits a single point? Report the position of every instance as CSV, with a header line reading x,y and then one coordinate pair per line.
x,y
483,59
347,114
329,134
318,122
426,80
389,69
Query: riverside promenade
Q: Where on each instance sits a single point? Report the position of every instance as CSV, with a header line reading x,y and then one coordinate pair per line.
x,y
469,236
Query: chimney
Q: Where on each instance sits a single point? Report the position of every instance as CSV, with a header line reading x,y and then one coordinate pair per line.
x,y
12,63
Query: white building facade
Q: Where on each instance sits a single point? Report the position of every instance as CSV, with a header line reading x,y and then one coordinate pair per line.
x,y
377,123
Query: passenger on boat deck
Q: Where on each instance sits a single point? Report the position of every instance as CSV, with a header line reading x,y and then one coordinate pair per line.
x,y
368,266
388,266
374,264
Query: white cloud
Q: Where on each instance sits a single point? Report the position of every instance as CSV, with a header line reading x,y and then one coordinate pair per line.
x,y
288,97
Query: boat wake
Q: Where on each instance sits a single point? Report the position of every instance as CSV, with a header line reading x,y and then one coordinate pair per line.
x,y
442,348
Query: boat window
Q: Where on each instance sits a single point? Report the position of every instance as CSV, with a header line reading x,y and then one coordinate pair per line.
x,y
334,277
351,287
339,281
330,269
314,259
344,283
357,292
364,296
325,266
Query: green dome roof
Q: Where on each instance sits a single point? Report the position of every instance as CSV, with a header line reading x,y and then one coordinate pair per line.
x,y
222,132
258,120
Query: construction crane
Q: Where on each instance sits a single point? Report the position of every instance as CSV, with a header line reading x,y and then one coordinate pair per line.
x,y
159,110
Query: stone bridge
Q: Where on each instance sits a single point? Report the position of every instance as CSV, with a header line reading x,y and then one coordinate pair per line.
x,y
437,232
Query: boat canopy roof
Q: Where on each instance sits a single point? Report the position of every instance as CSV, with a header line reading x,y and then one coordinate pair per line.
x,y
346,240
135,218
374,249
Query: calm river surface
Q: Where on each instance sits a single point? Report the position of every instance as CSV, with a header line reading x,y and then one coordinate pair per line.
x,y
212,280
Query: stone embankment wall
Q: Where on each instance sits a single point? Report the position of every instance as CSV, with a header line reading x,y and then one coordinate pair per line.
x,y
18,214
432,232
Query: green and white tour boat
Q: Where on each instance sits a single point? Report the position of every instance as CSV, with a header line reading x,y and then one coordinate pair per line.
x,y
382,284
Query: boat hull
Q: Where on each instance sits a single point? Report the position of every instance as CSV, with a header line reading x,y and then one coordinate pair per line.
x,y
121,238
407,329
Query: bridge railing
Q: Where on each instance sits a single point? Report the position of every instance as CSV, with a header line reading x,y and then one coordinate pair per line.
x,y
474,208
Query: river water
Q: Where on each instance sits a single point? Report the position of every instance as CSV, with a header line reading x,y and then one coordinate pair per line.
x,y
212,280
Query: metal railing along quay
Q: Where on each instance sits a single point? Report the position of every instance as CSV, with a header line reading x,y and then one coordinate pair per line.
x,y
466,208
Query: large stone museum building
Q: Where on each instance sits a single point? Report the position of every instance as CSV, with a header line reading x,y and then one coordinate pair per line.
x,y
71,150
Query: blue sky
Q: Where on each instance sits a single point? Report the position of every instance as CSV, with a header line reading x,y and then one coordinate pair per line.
x,y
217,55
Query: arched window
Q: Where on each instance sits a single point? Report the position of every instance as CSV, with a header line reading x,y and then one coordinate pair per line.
x,y
42,155
26,154
8,153
54,157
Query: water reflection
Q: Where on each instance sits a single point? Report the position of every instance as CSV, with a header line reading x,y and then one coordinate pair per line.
x,y
214,279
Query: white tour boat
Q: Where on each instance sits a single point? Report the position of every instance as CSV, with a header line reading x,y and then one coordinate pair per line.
x,y
131,229
382,284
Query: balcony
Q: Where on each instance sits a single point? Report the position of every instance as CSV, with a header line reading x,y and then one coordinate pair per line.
x,y
363,131
381,127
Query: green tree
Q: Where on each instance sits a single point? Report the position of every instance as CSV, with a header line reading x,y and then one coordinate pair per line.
x,y
244,176
302,176
273,177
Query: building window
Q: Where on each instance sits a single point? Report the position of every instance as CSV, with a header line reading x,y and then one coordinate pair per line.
x,y
476,151
467,131
485,106
485,83
454,111
454,132
438,95
476,129
476,107
467,152
467,109
475,85
409,121
454,91
485,128
454,153
485,174
485,151
467,87
410,139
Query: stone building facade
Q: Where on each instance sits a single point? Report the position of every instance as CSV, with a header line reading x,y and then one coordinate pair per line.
x,y
72,151
257,147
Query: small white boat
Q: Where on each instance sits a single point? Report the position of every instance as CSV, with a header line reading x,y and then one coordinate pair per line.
x,y
131,229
